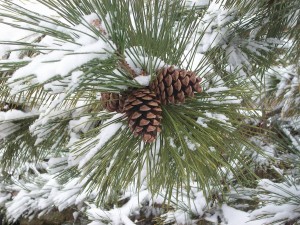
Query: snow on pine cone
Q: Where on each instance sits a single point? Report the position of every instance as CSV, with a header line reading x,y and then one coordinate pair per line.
x,y
143,110
174,85
112,102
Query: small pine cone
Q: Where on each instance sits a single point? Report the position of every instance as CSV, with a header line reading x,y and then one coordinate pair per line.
x,y
174,85
144,114
112,102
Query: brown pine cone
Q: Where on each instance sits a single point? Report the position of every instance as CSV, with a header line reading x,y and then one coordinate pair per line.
x,y
144,114
112,102
174,85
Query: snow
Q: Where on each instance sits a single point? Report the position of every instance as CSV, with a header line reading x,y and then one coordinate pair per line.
x,y
199,3
35,6
202,121
236,57
11,34
136,58
106,133
14,114
217,116
278,212
68,59
269,152
237,217
32,199
143,80
213,26
67,195
217,89
4,198
77,127
278,189
194,205
65,59
225,100
39,128
118,215
179,217
192,146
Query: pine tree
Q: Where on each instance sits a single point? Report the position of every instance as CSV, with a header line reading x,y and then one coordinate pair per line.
x,y
158,111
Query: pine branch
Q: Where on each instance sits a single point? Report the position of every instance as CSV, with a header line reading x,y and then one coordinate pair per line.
x,y
66,63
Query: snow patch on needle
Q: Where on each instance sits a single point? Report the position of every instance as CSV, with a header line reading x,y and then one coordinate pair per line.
x,y
106,133
143,80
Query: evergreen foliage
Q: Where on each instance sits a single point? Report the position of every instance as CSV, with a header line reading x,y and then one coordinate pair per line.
x,y
233,147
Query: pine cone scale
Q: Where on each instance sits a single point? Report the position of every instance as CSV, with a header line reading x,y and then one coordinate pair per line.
x,y
175,75
155,122
153,103
168,80
136,115
145,108
157,109
193,78
150,115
